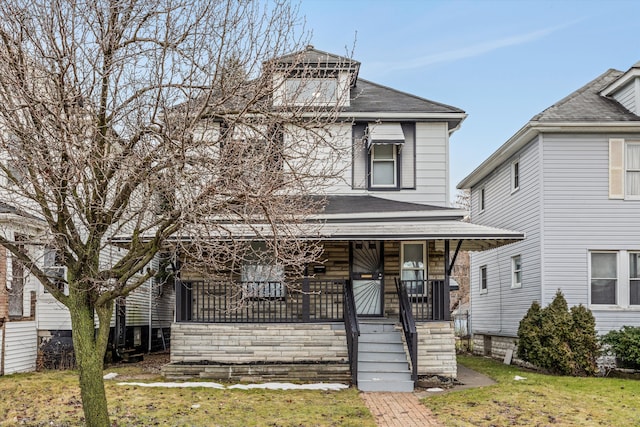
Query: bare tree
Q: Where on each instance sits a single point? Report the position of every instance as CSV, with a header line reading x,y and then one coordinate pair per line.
x,y
150,124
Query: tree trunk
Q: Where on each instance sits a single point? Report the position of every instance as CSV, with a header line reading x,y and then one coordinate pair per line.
x,y
90,346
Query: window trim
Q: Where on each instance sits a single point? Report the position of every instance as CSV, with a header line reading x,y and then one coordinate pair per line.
x,y
396,168
629,279
483,282
515,175
514,272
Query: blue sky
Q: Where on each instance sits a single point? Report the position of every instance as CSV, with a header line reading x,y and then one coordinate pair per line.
x,y
500,61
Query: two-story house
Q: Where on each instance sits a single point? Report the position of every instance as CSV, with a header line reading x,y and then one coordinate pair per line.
x,y
389,237
570,180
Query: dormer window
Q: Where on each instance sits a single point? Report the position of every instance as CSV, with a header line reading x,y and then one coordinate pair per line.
x,y
311,91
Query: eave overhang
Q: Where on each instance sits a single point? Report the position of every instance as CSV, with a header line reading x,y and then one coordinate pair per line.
x,y
530,131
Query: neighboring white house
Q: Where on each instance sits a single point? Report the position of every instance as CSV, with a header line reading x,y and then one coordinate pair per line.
x,y
570,180
387,220
34,326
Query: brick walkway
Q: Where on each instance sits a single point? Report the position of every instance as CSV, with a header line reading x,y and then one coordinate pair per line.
x,y
399,410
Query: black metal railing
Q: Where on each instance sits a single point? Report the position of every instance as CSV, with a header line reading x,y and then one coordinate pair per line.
x,y
427,298
352,330
408,326
260,302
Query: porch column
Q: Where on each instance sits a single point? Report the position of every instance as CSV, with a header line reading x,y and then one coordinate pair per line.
x,y
447,271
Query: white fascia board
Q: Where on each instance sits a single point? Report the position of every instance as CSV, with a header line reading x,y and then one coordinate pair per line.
x,y
530,131
382,116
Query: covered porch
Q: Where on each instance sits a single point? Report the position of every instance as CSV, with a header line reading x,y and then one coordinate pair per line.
x,y
387,269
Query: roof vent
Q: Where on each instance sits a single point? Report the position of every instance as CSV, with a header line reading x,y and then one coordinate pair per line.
x,y
310,47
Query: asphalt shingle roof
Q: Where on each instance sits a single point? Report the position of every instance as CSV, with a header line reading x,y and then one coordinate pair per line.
x,y
371,204
587,105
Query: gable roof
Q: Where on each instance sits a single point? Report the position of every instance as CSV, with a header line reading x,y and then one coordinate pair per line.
x,y
587,105
584,110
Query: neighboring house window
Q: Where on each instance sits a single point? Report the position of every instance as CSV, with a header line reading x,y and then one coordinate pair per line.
x,y
604,277
16,292
413,267
624,169
632,170
54,268
515,175
634,278
483,279
516,271
384,166
481,199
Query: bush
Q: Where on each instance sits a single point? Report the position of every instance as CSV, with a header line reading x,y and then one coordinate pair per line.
x,y
624,345
559,340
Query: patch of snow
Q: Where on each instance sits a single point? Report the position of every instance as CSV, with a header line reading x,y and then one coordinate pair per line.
x,y
266,386
110,376
196,406
435,389
519,378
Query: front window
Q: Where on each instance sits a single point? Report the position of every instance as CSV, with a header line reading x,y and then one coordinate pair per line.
x,y
384,165
604,277
634,278
516,271
483,279
632,170
413,268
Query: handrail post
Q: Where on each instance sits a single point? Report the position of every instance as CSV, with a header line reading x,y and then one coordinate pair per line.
x,y
306,298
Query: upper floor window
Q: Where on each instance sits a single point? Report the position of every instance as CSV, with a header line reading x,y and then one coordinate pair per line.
x,y
311,91
624,169
483,279
516,271
632,170
384,166
515,175
481,199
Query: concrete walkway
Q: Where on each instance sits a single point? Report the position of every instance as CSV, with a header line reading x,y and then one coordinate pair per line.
x,y
405,409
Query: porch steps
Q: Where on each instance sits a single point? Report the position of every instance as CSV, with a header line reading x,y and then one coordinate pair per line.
x,y
382,360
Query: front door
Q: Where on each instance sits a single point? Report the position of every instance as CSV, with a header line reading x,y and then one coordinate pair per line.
x,y
367,277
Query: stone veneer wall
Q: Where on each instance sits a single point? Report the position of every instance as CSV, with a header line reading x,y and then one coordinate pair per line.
x,y
268,342
495,346
436,349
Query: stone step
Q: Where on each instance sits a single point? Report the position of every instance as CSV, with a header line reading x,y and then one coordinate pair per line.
x,y
383,365
371,327
384,347
389,337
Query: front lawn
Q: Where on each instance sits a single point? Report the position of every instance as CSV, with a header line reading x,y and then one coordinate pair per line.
x,y
52,398
539,400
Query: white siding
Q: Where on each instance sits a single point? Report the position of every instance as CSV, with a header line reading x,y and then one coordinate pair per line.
x,y
51,314
501,308
20,347
579,217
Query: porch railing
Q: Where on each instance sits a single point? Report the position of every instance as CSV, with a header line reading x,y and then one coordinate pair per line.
x,y
352,330
408,326
427,299
260,302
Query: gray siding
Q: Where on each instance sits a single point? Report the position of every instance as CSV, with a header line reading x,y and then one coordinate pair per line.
x,y
501,308
579,217
627,96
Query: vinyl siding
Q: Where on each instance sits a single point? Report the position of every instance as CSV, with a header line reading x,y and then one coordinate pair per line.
x,y
501,308
627,96
20,347
579,217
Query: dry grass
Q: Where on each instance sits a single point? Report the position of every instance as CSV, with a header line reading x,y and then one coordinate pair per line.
x,y
540,400
52,398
